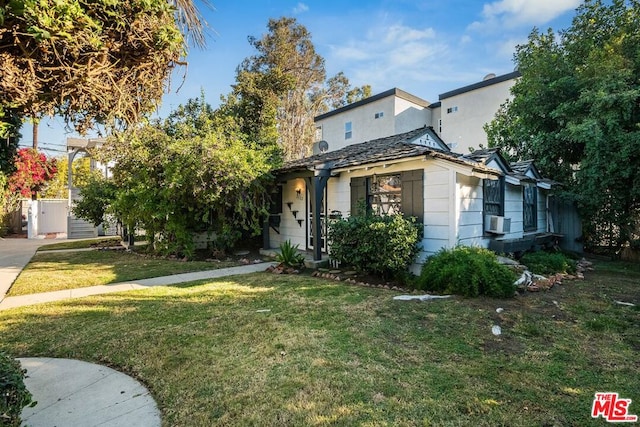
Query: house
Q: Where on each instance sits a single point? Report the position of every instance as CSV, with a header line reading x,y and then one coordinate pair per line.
x,y
458,117
369,154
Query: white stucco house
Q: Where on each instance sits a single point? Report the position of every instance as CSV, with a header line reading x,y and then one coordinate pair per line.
x,y
385,152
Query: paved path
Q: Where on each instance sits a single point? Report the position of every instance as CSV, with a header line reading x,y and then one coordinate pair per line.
x,y
76,393
23,300
14,256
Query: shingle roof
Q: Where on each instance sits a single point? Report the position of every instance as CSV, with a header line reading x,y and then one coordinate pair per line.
x,y
521,167
379,150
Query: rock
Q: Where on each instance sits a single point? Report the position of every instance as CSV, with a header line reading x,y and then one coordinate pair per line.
x,y
244,261
496,330
499,310
335,271
350,273
533,288
314,274
507,261
257,261
628,304
323,270
270,269
241,253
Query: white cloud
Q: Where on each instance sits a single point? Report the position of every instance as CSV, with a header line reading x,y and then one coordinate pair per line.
x,y
300,8
513,13
389,54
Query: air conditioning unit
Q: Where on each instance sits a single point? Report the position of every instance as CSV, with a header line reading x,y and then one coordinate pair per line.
x,y
497,224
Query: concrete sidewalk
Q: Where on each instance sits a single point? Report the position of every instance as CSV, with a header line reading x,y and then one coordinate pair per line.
x,y
15,254
24,300
76,393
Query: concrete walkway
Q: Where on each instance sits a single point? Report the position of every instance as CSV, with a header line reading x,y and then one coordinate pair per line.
x,y
76,393
15,254
23,300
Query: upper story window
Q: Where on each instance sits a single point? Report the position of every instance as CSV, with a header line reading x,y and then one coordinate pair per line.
x,y
348,132
379,115
452,109
439,126
318,134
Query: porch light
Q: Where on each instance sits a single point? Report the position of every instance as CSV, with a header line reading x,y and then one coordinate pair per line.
x,y
299,193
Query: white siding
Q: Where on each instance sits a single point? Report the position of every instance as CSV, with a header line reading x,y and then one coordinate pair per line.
x,y
542,211
470,211
289,227
513,210
438,196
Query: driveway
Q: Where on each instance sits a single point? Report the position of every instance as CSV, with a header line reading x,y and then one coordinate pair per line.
x,y
14,256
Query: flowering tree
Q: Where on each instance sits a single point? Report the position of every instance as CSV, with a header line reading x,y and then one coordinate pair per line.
x,y
33,171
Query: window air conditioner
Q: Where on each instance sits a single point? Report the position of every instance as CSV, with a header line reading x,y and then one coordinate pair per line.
x,y
497,224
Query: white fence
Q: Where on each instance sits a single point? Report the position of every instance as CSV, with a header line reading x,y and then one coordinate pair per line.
x,y
47,216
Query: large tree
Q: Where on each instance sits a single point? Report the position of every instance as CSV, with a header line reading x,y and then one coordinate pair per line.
x,y
183,175
281,88
90,61
576,110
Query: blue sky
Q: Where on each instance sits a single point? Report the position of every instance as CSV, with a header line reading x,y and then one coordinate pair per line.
x,y
425,47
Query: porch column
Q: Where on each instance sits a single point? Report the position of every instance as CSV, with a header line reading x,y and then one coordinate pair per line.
x,y
317,184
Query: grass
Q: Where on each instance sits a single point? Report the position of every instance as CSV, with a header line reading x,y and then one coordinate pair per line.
x,y
332,354
80,244
52,271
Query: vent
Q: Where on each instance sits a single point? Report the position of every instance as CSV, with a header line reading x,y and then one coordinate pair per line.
x,y
489,77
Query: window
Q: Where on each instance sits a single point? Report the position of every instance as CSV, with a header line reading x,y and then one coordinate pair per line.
x,y
529,208
390,194
452,109
347,131
439,126
318,133
385,194
379,115
493,197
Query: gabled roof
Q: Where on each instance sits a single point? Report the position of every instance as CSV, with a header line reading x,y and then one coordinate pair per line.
x,y
391,92
404,145
488,155
526,166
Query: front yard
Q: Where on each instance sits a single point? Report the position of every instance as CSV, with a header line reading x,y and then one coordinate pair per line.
x,y
51,271
294,350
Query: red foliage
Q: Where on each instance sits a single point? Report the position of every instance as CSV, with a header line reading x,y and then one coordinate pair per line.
x,y
33,170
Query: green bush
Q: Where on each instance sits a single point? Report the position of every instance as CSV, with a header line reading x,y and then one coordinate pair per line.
x,y
384,245
13,394
542,262
289,255
467,271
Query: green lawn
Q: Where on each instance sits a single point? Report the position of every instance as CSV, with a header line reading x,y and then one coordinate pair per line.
x,y
50,271
333,354
81,244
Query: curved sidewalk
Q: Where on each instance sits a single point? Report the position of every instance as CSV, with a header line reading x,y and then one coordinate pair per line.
x,y
76,393
24,300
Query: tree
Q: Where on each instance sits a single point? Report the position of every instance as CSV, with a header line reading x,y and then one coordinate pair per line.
x,y
58,187
185,175
576,110
99,61
281,88
33,171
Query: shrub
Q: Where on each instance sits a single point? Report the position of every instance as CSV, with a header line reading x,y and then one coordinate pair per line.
x,y
542,262
467,271
289,255
13,394
384,245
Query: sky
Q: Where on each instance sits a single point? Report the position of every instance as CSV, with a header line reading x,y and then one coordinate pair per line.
x,y
424,47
